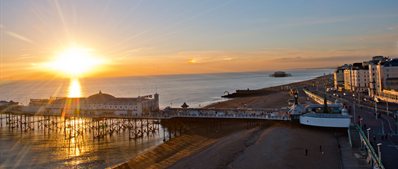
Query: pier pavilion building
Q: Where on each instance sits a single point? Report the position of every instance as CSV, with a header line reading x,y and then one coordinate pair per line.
x,y
97,104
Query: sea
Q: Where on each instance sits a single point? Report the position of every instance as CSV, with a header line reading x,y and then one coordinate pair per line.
x,y
196,90
36,149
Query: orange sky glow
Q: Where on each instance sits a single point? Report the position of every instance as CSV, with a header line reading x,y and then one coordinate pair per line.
x,y
138,39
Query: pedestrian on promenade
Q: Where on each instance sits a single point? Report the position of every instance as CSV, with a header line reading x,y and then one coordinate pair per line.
x,y
306,152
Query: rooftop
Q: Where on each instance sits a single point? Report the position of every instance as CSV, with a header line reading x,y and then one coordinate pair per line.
x,y
391,63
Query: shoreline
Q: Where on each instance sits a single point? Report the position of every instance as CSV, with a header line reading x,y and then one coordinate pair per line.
x,y
277,99
238,148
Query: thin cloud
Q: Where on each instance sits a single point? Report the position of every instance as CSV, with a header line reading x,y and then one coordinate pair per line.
x,y
395,27
331,20
324,59
379,37
18,36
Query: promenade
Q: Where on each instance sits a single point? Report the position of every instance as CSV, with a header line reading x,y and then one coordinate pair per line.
x,y
380,121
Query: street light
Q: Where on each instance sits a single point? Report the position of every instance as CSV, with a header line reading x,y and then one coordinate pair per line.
x,y
355,112
376,108
368,130
378,148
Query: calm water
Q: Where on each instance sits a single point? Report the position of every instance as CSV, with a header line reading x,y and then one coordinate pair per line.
x,y
36,149
55,149
196,90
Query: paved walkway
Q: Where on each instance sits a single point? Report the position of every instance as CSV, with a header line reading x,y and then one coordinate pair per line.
x,y
351,156
380,127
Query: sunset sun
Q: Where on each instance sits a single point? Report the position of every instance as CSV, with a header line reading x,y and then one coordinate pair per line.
x,y
75,62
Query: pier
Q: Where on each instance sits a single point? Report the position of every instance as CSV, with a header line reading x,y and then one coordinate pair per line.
x,y
72,127
138,126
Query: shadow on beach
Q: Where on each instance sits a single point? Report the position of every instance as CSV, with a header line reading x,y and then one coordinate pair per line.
x,y
246,144
233,144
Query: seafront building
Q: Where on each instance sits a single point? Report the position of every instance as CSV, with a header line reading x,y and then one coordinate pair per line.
x,y
387,75
377,77
387,81
339,77
373,75
355,77
97,104
359,77
347,78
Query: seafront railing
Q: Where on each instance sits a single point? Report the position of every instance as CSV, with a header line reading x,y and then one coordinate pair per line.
x,y
315,97
369,147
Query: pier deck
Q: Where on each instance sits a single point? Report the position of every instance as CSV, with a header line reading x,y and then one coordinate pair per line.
x,y
255,114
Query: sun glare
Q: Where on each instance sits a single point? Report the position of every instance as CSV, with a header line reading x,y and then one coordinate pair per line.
x,y
75,62
74,90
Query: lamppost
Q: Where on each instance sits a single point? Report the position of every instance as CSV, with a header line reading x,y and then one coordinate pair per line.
x,y
377,114
368,130
359,100
379,151
396,121
353,107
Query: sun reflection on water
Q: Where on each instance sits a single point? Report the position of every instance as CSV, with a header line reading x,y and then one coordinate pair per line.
x,y
75,143
74,89
70,142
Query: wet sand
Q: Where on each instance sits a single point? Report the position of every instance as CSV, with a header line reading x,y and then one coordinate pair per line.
x,y
275,145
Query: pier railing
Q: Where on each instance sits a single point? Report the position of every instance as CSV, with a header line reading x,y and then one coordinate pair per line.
x,y
315,97
233,116
255,114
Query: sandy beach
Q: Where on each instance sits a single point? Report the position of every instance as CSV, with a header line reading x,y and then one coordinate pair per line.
x,y
273,145
279,146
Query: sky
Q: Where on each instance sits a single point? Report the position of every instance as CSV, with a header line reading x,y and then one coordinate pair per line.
x,y
152,37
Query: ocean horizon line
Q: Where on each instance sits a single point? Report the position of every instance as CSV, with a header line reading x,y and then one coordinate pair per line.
x,y
5,81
